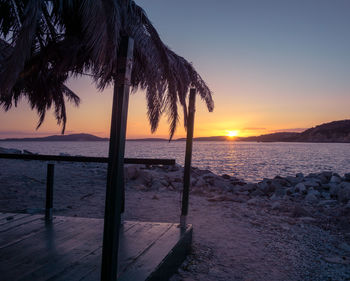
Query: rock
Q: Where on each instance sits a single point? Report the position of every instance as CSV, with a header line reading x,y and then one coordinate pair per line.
x,y
27,152
276,205
226,177
299,175
299,211
344,246
347,177
334,188
344,194
253,201
300,187
327,203
311,198
293,180
335,179
157,185
345,184
326,195
311,183
177,185
274,197
257,192
64,154
313,192
280,192
131,172
264,187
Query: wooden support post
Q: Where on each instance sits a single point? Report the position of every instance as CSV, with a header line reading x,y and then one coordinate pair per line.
x,y
49,192
115,182
188,158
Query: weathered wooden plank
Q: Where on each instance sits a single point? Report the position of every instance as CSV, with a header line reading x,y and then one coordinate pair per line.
x,y
25,218
5,215
12,217
115,177
156,255
133,245
57,252
90,262
47,240
188,158
24,231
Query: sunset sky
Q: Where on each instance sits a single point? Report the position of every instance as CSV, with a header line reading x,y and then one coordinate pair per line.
x,y
273,65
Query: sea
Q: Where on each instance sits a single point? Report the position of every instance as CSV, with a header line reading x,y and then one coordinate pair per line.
x,y
249,161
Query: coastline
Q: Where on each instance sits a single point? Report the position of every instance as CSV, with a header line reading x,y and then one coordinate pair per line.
x,y
277,229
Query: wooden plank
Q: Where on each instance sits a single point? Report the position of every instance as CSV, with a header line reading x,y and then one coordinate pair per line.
x,y
133,245
188,157
24,231
157,254
12,217
115,178
53,250
88,159
91,263
53,235
5,215
17,222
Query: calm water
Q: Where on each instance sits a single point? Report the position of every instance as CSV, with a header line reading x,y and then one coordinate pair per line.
x,y
249,161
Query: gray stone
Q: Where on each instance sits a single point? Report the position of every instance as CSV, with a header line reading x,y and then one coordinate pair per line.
x,y
131,172
299,211
326,195
347,176
299,175
300,187
335,179
253,201
311,183
344,194
345,184
311,198
276,205
313,192
327,203
280,192
334,188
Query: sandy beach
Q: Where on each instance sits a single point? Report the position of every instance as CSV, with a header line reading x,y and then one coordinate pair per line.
x,y
242,231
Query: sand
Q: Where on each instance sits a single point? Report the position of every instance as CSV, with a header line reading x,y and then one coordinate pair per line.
x,y
235,238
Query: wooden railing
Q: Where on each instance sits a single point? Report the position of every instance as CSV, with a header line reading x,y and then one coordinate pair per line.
x,y
85,159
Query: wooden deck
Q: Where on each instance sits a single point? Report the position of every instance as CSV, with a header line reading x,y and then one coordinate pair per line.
x,y
70,248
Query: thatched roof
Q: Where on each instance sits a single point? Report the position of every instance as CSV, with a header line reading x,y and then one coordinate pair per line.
x,y
43,43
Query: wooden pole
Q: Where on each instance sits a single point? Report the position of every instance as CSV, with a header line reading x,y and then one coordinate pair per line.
x,y
115,182
49,192
188,158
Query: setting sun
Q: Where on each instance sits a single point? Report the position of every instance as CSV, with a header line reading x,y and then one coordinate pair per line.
x,y
232,134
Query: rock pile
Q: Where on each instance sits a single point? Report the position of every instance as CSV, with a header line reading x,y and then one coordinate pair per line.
x,y
325,188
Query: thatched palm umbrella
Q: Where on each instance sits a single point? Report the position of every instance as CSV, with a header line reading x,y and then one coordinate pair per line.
x,y
43,43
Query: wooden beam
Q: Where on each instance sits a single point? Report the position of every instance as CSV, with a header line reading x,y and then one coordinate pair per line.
x,y
49,192
145,161
115,184
188,158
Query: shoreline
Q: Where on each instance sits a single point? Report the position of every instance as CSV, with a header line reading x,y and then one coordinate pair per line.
x,y
272,230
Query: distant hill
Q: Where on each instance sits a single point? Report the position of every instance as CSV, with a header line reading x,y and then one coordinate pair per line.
x,y
72,137
336,131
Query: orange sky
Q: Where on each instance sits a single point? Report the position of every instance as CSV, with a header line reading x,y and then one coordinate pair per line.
x,y
283,65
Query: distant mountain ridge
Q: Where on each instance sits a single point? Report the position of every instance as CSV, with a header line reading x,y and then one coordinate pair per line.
x,y
336,131
72,137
